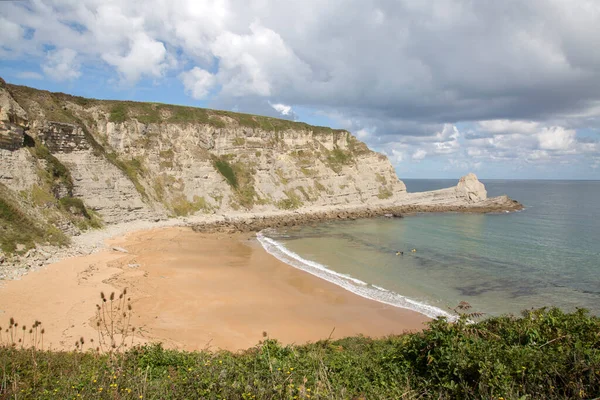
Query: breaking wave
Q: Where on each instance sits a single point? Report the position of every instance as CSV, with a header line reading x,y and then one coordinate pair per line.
x,y
347,282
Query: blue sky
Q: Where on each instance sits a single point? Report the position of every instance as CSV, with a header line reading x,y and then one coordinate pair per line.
x,y
503,89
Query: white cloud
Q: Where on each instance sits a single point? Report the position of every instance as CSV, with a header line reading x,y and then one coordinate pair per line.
x,y
198,82
10,33
363,134
419,154
508,126
401,74
556,138
62,65
145,56
282,108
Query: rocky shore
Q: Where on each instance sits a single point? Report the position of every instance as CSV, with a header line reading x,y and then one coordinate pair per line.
x,y
254,223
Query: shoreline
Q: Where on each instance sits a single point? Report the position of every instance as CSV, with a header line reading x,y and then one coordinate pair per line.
x,y
349,283
92,241
192,290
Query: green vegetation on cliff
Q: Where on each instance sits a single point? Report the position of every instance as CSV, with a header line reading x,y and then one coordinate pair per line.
x,y
545,354
17,227
57,107
240,176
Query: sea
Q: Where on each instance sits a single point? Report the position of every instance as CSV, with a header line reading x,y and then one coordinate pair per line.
x,y
547,255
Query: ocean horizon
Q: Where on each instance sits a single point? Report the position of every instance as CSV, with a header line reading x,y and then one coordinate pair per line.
x,y
543,256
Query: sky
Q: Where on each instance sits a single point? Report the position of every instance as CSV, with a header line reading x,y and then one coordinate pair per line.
x,y
505,89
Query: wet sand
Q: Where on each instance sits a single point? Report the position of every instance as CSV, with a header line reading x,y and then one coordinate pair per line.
x,y
194,291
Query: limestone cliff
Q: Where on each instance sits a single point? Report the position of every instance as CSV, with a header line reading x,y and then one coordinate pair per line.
x,y
82,161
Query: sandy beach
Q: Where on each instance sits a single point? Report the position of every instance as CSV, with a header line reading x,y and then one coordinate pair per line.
x,y
194,291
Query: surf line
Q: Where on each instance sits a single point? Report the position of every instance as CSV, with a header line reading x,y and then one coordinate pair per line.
x,y
351,284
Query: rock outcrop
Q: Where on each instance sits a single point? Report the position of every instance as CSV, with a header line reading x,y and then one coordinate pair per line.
x,y
471,188
125,161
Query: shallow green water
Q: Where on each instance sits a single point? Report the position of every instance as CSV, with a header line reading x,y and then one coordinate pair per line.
x,y
548,254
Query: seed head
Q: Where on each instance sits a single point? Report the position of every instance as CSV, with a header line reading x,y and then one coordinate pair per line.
x,y
112,296
102,295
12,321
43,331
81,340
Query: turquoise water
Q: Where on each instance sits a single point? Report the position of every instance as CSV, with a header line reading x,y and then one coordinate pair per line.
x,y
545,255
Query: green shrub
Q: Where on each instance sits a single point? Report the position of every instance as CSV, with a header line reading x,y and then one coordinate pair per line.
x,y
118,113
337,158
546,354
182,206
384,193
225,169
291,203
17,227
74,206
57,172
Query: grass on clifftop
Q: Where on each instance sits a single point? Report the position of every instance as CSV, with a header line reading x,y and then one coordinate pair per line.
x,y
54,107
546,354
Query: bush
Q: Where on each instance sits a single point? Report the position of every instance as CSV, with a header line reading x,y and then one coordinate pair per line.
x,y
118,113
546,354
225,169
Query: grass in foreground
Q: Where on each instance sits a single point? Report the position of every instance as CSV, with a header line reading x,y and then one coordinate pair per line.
x,y
544,354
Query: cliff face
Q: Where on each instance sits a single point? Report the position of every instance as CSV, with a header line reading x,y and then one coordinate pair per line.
x,y
128,161
75,163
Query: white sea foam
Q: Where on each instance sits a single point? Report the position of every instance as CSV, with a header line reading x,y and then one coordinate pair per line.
x,y
347,282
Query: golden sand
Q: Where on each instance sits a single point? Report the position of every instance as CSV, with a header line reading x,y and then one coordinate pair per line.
x,y
194,291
